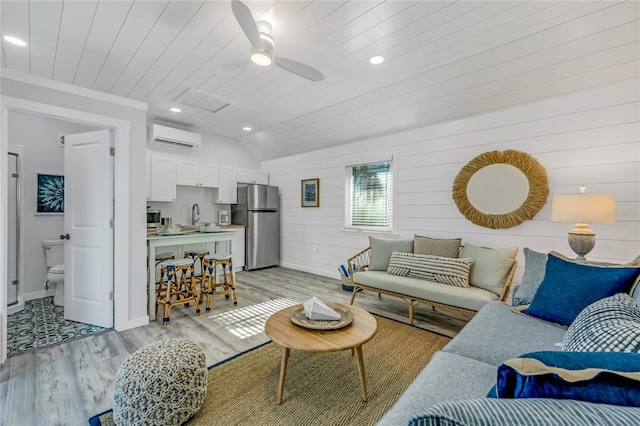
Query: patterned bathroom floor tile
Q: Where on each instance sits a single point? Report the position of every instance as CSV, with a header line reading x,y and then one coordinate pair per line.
x,y
41,323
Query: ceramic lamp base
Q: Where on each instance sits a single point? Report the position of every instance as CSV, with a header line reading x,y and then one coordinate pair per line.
x,y
582,240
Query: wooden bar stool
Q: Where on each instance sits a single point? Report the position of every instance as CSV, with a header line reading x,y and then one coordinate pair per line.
x,y
209,283
160,257
197,254
175,282
165,255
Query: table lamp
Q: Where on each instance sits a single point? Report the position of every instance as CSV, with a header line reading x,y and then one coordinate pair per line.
x,y
583,209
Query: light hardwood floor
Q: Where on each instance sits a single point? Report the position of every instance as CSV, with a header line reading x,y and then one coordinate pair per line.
x,y
67,383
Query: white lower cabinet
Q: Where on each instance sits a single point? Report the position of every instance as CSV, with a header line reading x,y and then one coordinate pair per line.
x,y
238,248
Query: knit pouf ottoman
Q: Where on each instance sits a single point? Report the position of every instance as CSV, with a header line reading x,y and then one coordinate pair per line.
x,y
163,383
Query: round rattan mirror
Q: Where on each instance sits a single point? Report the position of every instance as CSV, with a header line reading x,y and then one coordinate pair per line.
x,y
501,189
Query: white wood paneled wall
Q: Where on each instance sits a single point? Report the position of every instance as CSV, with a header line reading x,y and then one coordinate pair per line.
x,y
591,137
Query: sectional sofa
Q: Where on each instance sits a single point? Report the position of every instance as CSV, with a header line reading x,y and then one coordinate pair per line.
x,y
453,387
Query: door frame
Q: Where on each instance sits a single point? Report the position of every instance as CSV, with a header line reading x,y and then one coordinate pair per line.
x,y
19,149
121,129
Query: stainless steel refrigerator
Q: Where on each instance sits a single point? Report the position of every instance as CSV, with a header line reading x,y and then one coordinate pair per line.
x,y
257,209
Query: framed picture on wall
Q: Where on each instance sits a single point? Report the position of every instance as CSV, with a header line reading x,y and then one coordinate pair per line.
x,y
49,194
310,193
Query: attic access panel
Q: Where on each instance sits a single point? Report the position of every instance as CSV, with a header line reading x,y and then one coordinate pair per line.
x,y
202,100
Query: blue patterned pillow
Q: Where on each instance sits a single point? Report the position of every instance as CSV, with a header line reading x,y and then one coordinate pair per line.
x,y
525,412
600,377
568,288
611,324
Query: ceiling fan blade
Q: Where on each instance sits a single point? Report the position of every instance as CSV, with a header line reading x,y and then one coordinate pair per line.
x,y
302,70
247,23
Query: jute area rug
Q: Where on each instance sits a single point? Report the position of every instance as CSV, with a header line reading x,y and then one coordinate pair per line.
x,y
320,388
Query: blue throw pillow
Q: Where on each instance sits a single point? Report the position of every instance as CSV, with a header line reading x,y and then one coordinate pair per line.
x,y
568,288
600,377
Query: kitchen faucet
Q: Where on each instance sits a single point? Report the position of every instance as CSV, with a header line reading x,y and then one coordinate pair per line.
x,y
195,214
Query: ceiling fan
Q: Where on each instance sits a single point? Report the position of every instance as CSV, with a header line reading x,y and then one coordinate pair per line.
x,y
262,44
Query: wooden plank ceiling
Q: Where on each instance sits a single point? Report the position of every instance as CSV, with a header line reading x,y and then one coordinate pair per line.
x,y
443,60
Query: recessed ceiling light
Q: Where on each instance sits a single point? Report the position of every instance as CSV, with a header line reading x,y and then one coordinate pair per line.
x,y
15,40
376,60
246,129
174,109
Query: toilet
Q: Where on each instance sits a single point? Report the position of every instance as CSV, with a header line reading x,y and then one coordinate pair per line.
x,y
54,255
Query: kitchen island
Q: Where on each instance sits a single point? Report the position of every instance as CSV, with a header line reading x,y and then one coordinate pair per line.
x,y
154,241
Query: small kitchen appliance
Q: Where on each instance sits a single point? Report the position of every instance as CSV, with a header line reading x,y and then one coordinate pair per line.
x,y
224,218
153,218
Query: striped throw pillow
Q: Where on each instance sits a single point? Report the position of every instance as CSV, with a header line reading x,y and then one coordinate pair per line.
x,y
443,270
525,412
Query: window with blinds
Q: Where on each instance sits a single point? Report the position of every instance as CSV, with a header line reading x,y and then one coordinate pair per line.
x,y
369,197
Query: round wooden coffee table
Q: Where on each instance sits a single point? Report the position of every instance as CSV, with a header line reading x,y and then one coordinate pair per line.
x,y
282,331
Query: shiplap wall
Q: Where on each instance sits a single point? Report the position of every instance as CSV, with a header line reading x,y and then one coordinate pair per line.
x,y
590,137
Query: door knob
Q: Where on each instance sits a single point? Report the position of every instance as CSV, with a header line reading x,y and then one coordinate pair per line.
x,y
64,237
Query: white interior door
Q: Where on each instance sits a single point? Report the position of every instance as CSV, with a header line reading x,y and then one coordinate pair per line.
x,y
88,246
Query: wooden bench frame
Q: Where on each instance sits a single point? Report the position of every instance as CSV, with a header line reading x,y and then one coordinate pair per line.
x,y
361,261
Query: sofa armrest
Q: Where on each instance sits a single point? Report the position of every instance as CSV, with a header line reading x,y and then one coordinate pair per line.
x,y
360,260
507,284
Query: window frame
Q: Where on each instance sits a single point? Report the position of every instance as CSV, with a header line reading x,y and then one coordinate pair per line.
x,y
348,171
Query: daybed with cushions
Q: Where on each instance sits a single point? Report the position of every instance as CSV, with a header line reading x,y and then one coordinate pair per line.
x,y
435,272
541,373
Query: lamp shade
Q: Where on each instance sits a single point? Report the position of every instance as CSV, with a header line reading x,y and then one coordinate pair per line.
x,y
583,208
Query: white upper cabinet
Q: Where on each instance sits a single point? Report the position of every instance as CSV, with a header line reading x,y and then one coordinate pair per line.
x,y
209,175
253,176
227,191
194,173
162,178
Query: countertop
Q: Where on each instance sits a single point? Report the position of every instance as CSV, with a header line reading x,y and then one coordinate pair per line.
x,y
195,228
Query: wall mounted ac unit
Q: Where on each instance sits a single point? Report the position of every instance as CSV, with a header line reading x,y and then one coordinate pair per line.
x,y
174,137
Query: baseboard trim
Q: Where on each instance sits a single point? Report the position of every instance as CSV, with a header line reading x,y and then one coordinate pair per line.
x,y
310,270
39,294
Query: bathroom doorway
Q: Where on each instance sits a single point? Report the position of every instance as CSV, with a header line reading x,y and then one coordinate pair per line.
x,y
35,320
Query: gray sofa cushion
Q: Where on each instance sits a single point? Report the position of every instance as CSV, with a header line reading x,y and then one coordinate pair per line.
x,y
381,250
490,267
496,334
436,247
447,377
472,298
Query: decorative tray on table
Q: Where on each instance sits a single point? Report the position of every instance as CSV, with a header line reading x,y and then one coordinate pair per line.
x,y
298,317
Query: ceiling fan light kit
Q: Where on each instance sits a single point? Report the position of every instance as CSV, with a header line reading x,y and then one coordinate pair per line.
x,y
262,44
264,56
261,57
